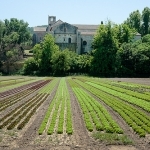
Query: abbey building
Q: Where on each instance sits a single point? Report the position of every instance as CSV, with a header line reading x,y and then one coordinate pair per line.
x,y
75,37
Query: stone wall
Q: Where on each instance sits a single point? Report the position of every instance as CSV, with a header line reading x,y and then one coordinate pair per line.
x,y
64,38
70,46
38,36
86,43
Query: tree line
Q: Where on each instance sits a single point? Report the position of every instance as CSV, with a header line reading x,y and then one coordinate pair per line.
x,y
49,60
115,50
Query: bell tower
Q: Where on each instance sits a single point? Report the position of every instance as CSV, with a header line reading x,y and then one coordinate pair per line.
x,y
51,20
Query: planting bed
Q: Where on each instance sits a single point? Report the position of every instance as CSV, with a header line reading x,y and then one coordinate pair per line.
x,y
74,113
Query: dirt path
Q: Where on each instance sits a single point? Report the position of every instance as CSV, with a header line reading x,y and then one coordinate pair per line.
x,y
83,140
28,138
145,81
139,143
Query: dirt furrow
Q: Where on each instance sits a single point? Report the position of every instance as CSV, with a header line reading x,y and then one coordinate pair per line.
x,y
30,132
83,140
139,143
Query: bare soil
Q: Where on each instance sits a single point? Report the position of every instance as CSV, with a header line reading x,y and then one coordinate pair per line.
x,y
28,138
145,81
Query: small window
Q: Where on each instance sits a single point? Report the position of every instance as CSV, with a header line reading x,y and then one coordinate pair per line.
x,y
84,42
64,39
69,40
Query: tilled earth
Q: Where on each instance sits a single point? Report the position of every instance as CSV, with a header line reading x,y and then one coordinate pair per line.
x,y
28,138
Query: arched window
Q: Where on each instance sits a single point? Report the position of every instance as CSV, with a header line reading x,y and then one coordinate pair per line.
x,y
69,40
84,42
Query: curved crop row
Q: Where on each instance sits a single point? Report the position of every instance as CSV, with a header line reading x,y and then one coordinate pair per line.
x,y
8,82
19,96
13,89
122,90
128,98
94,112
135,118
14,119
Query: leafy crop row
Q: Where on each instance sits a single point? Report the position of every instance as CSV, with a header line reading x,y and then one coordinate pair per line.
x,y
14,119
123,90
57,111
95,115
135,118
128,98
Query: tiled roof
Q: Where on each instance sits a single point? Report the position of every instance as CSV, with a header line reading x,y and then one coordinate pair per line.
x,y
39,28
57,23
86,27
88,33
79,26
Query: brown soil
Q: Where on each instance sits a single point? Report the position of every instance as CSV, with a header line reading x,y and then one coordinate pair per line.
x,y
145,81
28,138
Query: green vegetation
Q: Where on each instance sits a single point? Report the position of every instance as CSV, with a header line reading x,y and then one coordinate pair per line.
x,y
17,83
116,51
25,110
59,109
112,138
95,115
139,21
97,98
137,119
49,87
13,35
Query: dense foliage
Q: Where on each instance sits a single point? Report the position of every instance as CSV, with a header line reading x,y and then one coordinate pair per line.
x,y
49,60
116,50
13,35
140,21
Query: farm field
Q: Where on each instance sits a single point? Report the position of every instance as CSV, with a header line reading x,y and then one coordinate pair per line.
x,y
74,113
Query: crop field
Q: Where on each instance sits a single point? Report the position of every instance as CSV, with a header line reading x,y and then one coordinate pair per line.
x,y
74,113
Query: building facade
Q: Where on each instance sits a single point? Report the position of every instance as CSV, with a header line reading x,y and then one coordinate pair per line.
x,y
75,37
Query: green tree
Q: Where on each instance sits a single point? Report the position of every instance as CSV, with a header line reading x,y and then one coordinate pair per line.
x,y
37,53
146,39
30,67
13,33
146,20
49,48
84,63
61,62
134,21
106,46
124,34
133,59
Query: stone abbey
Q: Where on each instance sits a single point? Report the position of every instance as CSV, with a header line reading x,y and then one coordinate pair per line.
x,y
75,37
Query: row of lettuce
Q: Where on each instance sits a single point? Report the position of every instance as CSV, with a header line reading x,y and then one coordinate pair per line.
x,y
121,102
58,116
94,96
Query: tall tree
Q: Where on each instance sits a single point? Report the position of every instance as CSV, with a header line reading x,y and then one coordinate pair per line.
x,y
106,46
134,20
124,33
48,48
13,33
146,20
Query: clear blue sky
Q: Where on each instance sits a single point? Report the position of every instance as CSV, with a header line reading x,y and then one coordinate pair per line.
x,y
36,12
